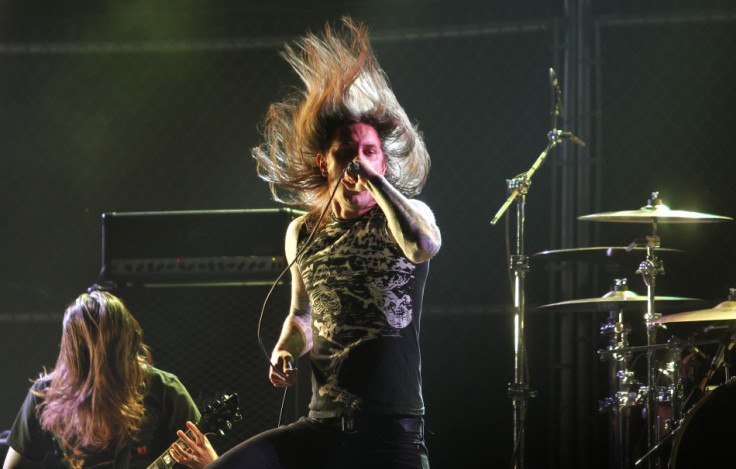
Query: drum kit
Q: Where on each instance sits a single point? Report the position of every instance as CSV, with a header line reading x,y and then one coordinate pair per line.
x,y
674,395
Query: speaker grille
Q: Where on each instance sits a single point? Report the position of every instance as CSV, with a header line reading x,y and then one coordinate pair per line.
x,y
207,336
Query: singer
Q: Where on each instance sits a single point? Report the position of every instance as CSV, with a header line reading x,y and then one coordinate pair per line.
x,y
359,272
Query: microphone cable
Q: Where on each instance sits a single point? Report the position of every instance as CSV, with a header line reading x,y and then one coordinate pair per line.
x,y
299,253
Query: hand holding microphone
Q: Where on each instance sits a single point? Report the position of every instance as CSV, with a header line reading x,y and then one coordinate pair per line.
x,y
359,173
282,372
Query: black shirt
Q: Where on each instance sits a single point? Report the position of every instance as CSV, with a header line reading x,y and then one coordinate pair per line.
x,y
167,405
366,303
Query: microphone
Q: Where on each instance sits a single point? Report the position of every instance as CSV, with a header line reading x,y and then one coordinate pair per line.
x,y
564,135
353,169
572,137
557,109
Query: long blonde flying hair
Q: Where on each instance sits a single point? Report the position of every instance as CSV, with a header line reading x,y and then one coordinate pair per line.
x,y
343,84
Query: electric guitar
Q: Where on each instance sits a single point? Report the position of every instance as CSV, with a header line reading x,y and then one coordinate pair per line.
x,y
217,417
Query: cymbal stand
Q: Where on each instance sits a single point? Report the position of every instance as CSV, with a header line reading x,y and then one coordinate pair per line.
x,y
664,431
649,269
621,381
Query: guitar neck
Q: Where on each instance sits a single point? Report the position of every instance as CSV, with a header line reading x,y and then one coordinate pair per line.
x,y
166,460
217,418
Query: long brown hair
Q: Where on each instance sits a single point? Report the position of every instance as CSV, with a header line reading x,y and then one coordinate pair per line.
x,y
95,398
343,84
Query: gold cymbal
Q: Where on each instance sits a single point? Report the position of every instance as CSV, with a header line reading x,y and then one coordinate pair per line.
x,y
655,212
725,311
617,299
601,253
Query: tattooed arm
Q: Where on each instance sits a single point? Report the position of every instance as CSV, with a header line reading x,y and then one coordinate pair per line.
x,y
296,333
410,222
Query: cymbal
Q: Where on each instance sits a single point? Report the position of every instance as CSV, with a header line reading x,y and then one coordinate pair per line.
x,y
618,299
658,213
724,311
602,253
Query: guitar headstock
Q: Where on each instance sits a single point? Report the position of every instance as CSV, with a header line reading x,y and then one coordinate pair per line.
x,y
219,416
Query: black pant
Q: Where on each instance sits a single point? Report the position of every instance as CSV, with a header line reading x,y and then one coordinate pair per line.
x,y
375,443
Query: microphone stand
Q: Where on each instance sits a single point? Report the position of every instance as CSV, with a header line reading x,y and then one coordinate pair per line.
x,y
518,187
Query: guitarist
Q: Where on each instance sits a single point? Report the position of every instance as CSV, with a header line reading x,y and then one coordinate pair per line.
x,y
104,404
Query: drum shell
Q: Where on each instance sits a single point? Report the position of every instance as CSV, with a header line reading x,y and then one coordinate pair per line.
x,y
707,434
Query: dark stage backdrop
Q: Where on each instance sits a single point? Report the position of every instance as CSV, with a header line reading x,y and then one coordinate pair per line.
x,y
205,335
130,108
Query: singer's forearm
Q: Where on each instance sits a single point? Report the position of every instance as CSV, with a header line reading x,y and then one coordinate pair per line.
x,y
296,334
410,222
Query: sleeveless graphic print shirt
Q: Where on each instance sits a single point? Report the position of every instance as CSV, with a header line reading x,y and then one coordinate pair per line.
x,y
366,300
